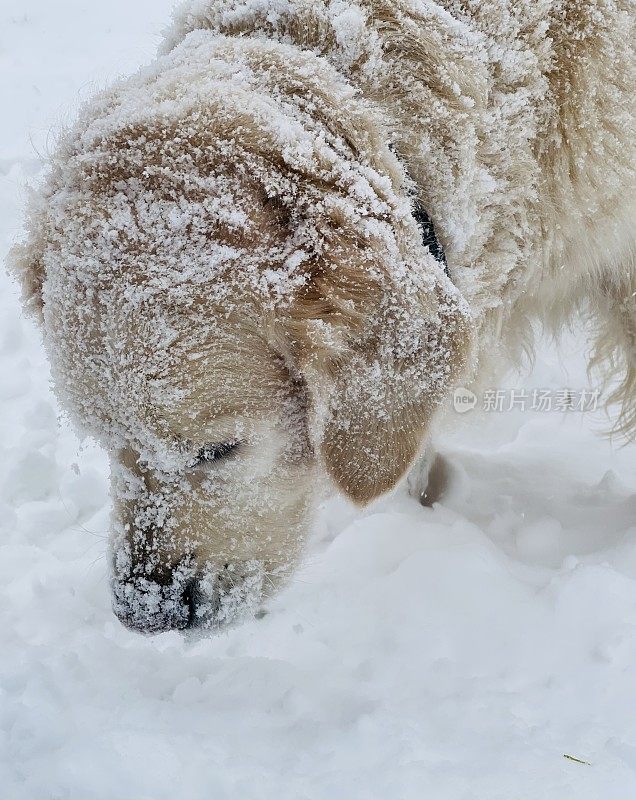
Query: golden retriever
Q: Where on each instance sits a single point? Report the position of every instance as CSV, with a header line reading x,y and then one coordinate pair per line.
x,y
267,258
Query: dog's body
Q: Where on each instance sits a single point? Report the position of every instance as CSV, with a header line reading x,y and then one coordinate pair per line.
x,y
229,265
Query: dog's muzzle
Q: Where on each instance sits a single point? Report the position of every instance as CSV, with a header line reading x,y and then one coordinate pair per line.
x,y
185,598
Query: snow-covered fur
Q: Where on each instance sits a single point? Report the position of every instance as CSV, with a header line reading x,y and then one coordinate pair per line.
x,y
224,254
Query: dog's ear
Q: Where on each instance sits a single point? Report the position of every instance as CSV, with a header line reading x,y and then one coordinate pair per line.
x,y
383,403
380,346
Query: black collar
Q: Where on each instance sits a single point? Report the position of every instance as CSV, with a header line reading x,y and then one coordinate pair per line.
x,y
429,237
425,224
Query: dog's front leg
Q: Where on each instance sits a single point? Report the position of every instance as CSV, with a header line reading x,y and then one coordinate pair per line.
x,y
428,478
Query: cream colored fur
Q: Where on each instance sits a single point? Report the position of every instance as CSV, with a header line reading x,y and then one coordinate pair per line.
x,y
225,251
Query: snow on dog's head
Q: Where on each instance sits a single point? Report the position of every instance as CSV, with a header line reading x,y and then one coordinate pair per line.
x,y
235,301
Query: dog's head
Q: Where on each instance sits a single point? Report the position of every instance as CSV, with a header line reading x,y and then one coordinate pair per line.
x,y
235,302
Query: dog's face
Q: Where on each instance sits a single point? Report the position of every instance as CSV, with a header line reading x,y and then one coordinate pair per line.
x,y
234,318
213,515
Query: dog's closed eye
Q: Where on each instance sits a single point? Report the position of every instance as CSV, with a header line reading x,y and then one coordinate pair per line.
x,y
213,452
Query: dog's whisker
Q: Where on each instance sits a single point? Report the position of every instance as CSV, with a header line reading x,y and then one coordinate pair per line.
x,y
78,525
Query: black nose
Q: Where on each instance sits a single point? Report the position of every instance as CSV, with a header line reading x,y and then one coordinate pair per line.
x,y
148,606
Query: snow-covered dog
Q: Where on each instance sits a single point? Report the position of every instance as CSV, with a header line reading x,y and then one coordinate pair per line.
x,y
269,256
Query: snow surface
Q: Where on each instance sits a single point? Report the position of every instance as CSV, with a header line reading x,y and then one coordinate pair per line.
x,y
453,653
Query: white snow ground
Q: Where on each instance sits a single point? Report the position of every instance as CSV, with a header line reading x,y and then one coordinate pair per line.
x,y
457,653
